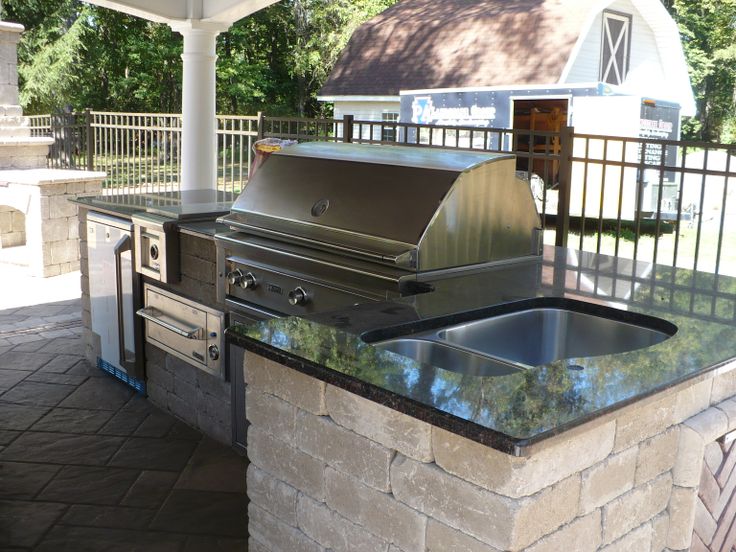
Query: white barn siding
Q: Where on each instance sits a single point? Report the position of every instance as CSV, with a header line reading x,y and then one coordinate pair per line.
x,y
645,66
587,65
366,111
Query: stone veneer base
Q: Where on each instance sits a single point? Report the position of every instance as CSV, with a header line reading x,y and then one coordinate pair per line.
x,y
333,471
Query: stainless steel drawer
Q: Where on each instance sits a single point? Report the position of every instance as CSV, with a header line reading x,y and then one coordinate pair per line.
x,y
185,329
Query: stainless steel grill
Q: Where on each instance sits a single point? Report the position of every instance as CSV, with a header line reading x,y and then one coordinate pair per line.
x,y
322,226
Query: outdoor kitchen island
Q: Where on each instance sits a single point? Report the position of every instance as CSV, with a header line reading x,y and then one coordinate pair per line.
x,y
196,392
353,447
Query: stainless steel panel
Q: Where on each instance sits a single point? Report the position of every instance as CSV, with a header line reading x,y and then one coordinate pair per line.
x,y
376,208
399,156
489,215
416,208
185,329
346,272
446,357
248,313
113,292
278,291
542,335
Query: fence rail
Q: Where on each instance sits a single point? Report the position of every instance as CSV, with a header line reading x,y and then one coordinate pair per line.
x,y
664,201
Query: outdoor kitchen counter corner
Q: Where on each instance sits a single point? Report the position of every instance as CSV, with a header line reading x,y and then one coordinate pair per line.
x,y
610,447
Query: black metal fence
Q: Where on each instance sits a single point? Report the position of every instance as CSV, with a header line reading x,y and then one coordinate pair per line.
x,y
663,201
141,152
69,131
668,202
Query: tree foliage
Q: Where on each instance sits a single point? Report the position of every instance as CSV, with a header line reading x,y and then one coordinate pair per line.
x,y
708,30
77,55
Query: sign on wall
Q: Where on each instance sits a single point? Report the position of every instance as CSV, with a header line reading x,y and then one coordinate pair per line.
x,y
659,121
477,108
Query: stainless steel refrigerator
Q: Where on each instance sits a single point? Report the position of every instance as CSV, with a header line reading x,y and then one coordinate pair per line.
x,y
115,295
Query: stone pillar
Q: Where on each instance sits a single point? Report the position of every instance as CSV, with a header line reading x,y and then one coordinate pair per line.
x,y
199,125
9,37
17,149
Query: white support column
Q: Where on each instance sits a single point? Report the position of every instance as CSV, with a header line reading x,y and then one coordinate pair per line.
x,y
199,124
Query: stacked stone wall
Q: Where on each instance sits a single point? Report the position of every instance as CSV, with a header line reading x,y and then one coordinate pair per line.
x,y
333,471
91,345
12,227
51,219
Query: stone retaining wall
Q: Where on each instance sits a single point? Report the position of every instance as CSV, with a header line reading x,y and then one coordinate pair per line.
x,y
51,222
333,471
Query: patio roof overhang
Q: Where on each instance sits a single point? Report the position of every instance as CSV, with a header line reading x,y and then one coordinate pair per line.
x,y
173,12
199,22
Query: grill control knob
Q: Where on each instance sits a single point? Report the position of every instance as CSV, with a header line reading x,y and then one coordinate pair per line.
x,y
154,252
298,297
248,281
235,277
214,352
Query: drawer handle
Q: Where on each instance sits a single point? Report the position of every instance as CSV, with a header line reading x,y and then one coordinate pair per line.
x,y
154,315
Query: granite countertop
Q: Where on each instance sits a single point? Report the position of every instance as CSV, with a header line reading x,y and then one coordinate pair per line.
x,y
124,205
205,228
516,412
195,214
191,205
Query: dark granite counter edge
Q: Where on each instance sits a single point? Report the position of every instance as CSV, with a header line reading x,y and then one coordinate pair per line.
x,y
378,395
201,229
105,211
470,430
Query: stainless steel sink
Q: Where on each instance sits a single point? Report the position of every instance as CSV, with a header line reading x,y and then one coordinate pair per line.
x,y
542,335
447,357
538,333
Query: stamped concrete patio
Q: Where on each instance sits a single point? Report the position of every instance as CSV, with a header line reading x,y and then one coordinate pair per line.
x,y
85,463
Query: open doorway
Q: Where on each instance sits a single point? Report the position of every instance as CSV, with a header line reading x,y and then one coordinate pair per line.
x,y
539,115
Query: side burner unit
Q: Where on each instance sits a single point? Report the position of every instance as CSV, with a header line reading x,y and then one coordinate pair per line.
x,y
323,226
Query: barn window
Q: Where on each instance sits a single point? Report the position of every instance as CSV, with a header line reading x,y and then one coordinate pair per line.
x,y
388,132
616,47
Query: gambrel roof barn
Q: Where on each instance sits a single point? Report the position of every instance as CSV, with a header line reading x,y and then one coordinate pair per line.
x,y
438,44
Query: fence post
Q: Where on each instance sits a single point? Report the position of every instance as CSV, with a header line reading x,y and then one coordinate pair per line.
x,y
261,130
567,135
347,128
90,139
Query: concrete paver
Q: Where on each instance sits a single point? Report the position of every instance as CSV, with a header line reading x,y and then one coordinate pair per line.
x,y
86,464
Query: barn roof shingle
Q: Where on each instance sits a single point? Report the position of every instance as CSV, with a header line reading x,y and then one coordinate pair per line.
x,y
422,44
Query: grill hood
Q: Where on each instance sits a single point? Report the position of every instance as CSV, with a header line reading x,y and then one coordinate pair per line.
x,y
419,209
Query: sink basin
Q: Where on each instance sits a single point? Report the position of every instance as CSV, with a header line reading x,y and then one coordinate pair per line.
x,y
536,332
447,357
542,335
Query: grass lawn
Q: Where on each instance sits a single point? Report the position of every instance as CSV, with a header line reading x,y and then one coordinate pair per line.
x,y
707,247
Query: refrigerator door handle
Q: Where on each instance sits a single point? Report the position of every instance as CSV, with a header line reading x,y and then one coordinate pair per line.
x,y
124,244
